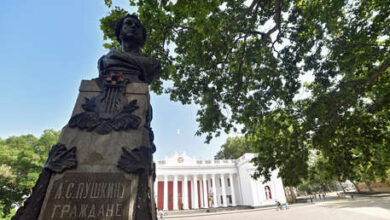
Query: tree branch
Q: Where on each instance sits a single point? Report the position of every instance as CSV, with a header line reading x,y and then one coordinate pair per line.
x,y
182,27
266,36
277,17
230,50
238,74
381,69
358,89
241,16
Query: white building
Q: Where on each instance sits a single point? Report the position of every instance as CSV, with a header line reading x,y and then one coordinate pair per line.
x,y
212,183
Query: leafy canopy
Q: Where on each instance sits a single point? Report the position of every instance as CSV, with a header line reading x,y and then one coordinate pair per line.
x,y
242,61
236,60
21,162
234,148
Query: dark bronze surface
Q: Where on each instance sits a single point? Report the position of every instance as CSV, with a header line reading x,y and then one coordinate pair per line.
x,y
135,66
103,196
139,160
106,112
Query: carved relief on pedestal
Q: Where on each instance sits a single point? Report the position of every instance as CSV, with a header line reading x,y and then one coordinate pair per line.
x,y
109,110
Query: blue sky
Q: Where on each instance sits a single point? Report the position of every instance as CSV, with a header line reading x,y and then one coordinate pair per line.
x,y
46,48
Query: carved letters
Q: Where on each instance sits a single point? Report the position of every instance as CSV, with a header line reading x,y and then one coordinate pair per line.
x,y
89,196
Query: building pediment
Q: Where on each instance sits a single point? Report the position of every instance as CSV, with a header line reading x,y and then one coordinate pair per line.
x,y
180,159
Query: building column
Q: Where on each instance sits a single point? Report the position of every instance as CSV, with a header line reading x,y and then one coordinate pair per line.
x,y
196,203
192,192
215,197
184,192
224,202
232,191
175,192
165,193
201,192
205,197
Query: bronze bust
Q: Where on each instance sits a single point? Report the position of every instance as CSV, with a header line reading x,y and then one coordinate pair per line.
x,y
111,110
130,62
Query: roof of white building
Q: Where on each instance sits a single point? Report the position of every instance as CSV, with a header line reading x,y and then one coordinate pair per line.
x,y
184,161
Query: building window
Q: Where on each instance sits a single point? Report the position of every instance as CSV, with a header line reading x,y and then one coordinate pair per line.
x,y
211,182
228,180
220,182
221,199
268,194
229,198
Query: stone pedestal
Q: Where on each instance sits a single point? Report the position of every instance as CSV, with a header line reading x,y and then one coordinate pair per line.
x,y
110,170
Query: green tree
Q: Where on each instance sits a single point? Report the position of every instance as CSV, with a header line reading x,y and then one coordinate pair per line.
x,y
241,61
234,148
357,146
21,162
235,60
319,176
281,143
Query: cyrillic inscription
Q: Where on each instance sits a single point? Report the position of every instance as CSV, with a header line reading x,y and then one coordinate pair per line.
x,y
89,196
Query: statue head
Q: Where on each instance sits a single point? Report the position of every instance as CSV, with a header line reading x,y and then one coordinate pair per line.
x,y
130,29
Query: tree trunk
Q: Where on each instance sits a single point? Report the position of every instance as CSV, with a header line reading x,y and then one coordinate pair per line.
x,y
342,186
369,186
324,187
285,194
293,196
356,186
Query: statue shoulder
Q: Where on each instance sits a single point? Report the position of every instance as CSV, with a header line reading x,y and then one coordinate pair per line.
x,y
112,51
106,60
152,69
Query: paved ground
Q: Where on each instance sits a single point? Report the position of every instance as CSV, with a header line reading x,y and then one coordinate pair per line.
x,y
361,208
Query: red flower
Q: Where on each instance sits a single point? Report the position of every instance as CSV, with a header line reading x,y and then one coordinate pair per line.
x,y
114,78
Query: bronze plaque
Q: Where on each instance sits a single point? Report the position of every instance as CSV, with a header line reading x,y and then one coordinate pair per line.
x,y
102,196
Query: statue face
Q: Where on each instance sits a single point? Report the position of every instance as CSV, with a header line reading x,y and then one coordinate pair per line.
x,y
131,30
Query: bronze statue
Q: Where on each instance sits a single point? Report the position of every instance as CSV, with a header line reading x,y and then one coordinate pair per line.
x,y
110,111
134,66
108,141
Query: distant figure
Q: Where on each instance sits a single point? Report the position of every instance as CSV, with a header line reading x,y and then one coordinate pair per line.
x,y
278,206
351,196
162,214
323,195
286,205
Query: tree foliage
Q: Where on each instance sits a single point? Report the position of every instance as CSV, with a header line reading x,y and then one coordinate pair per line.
x,y
242,61
320,176
281,142
21,162
216,57
357,146
234,148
